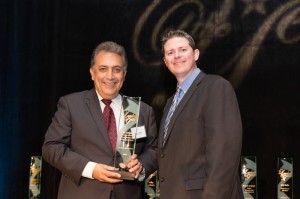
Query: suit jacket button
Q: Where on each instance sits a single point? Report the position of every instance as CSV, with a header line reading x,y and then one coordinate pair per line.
x,y
162,155
162,179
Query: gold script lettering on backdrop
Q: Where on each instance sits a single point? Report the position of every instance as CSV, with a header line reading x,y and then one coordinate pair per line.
x,y
214,26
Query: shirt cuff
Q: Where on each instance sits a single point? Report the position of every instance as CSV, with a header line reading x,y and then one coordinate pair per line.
x,y
88,170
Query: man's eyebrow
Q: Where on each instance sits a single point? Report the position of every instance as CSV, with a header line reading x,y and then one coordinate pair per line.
x,y
113,67
110,66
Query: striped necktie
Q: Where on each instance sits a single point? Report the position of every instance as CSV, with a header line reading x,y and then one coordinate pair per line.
x,y
171,111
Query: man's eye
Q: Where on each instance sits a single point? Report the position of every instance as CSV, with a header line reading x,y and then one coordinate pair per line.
x,y
117,70
103,69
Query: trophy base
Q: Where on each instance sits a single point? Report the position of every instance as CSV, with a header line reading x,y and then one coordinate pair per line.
x,y
125,175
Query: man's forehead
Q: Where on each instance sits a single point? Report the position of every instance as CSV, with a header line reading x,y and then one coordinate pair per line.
x,y
177,41
109,59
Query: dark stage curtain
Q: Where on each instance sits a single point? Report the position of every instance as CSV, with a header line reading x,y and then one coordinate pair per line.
x,y
29,89
45,50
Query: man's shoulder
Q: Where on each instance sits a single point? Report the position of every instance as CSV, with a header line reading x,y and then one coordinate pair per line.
x,y
78,97
144,107
78,94
216,83
215,79
212,77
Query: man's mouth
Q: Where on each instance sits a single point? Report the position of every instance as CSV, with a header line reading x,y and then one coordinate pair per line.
x,y
178,63
109,84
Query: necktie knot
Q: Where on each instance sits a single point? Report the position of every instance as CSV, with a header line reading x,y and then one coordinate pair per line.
x,y
107,102
178,93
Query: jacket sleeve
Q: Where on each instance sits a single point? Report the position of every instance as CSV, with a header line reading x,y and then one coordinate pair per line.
x,y
56,149
149,155
223,138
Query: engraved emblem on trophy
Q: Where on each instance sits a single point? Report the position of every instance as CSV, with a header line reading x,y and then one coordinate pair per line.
x,y
249,175
285,178
126,139
151,186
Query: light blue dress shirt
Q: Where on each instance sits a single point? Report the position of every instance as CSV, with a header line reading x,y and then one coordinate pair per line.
x,y
187,83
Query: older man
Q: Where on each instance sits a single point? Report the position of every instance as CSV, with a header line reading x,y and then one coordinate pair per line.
x,y
81,145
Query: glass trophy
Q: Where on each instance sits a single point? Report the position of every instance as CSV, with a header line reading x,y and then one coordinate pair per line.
x,y
285,178
249,174
126,139
35,175
151,186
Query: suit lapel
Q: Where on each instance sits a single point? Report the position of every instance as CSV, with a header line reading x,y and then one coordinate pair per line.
x,y
180,106
93,105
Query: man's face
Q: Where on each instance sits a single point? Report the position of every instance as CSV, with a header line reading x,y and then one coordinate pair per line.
x,y
108,74
180,58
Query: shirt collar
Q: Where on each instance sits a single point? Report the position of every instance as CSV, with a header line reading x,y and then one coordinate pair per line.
x,y
189,80
117,101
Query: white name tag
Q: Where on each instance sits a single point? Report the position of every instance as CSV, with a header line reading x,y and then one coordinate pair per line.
x,y
138,132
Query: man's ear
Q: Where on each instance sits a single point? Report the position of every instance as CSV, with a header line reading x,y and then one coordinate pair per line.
x,y
164,60
196,54
92,73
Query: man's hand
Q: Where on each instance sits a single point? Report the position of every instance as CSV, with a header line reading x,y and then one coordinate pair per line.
x,y
134,166
105,173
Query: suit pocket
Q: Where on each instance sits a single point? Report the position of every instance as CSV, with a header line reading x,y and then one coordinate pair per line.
x,y
194,184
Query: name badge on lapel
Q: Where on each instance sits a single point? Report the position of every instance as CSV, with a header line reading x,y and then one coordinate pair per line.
x,y
138,132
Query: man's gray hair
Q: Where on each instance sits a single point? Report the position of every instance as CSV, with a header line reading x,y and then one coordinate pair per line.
x,y
112,47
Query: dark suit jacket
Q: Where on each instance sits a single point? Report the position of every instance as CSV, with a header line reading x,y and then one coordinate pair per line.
x,y
201,156
78,135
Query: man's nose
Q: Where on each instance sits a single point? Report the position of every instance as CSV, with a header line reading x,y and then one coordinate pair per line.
x,y
177,54
110,74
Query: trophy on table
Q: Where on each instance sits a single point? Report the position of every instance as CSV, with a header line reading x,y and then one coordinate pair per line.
x,y
285,178
126,139
249,177
35,174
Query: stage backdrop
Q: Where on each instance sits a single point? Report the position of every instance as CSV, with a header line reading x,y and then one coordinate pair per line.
x,y
45,53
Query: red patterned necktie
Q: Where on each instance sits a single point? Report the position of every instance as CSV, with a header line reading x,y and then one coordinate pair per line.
x,y
110,123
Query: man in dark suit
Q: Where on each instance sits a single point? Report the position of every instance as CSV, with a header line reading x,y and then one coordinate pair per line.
x,y
77,141
200,136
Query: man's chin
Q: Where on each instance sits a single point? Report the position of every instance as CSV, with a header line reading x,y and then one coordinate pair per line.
x,y
111,95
